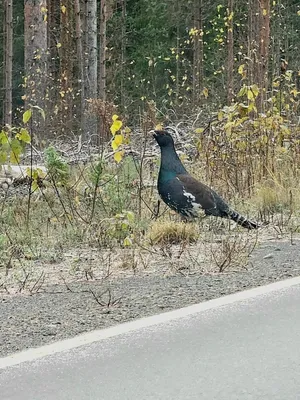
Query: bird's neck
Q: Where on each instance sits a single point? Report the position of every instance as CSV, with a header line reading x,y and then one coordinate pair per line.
x,y
170,164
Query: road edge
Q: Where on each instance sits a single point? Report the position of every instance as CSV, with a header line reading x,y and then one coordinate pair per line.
x,y
101,334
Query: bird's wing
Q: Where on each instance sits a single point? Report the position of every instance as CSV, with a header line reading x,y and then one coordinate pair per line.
x,y
199,193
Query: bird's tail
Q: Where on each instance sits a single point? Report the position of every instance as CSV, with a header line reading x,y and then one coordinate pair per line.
x,y
244,222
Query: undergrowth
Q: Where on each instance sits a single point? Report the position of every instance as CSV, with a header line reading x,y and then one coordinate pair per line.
x,y
113,207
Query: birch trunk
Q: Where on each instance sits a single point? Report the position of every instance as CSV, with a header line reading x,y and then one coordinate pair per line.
x,y
8,56
90,70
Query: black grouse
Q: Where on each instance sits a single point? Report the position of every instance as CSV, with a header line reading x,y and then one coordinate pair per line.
x,y
183,193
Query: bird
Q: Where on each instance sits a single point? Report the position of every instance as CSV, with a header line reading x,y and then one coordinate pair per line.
x,y
186,195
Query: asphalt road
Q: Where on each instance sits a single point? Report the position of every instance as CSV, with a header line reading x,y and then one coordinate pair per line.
x,y
245,349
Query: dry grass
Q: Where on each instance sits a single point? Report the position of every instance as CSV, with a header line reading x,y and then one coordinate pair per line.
x,y
164,232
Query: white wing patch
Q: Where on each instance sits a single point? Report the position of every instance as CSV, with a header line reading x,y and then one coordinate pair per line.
x,y
190,196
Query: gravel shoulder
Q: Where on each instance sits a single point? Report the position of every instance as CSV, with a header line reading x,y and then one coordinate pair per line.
x,y
60,311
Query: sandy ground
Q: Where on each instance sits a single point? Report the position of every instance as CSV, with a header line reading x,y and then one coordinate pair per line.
x,y
62,309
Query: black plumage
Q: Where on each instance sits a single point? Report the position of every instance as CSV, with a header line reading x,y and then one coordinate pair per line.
x,y
183,193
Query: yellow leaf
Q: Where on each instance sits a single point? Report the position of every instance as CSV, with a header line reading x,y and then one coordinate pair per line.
x,y
116,126
58,45
118,156
230,16
241,69
205,92
158,127
220,116
199,130
118,139
114,145
264,12
26,116
63,9
115,117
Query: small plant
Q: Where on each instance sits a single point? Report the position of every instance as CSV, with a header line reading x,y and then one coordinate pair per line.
x,y
57,168
120,136
13,142
121,228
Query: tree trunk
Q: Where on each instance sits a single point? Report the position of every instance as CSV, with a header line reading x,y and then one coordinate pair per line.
x,y
123,51
263,45
80,65
253,40
66,65
230,62
8,55
102,51
35,35
198,51
90,70
53,29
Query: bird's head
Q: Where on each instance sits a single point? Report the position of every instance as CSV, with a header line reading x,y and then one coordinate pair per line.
x,y
163,138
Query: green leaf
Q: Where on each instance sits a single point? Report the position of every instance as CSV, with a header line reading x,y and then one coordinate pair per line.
x,y
16,150
127,242
34,185
255,90
3,137
242,91
3,157
27,116
23,136
250,94
130,216
14,157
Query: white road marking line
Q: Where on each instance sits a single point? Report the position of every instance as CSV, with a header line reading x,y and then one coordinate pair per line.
x,y
97,335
